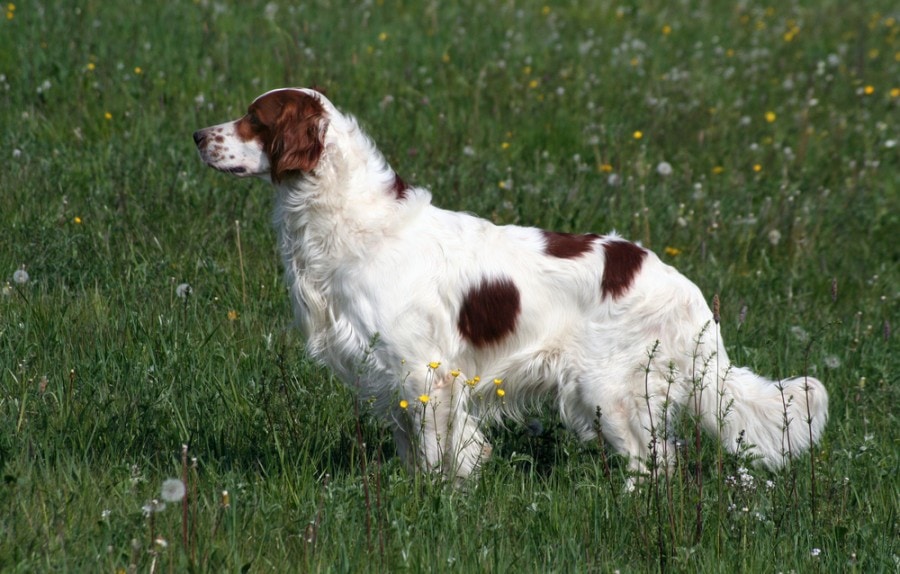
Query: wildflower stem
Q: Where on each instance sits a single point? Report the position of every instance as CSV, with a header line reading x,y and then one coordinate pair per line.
x,y
184,500
361,446
237,228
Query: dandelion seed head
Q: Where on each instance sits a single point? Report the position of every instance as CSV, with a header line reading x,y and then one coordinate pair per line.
x,y
183,290
664,168
800,333
173,490
20,276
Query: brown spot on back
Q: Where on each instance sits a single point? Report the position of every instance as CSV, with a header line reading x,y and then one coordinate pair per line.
x,y
489,311
623,261
399,187
567,245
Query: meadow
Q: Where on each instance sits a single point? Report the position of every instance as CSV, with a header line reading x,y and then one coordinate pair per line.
x,y
145,333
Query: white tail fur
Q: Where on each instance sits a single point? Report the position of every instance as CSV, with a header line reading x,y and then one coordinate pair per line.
x,y
777,419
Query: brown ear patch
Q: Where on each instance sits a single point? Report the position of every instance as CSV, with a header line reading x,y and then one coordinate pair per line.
x,y
623,262
567,245
290,125
489,311
298,137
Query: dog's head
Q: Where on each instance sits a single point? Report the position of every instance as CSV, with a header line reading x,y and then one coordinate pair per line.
x,y
282,135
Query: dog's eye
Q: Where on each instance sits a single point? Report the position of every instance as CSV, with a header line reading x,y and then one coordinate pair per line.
x,y
254,120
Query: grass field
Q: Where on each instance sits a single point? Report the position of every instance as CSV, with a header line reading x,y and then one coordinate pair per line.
x,y
753,145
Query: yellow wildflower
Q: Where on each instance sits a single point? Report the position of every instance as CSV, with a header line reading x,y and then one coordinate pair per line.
x,y
454,373
895,92
77,220
404,404
433,365
869,90
138,71
757,168
771,117
498,381
108,116
605,168
424,399
501,393
504,145
232,315
666,30
638,134
672,251
382,37
717,170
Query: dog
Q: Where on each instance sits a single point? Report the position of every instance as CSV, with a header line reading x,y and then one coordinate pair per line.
x,y
446,322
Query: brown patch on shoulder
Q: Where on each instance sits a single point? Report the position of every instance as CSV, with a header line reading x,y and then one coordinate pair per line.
x,y
290,126
489,311
399,187
567,245
623,261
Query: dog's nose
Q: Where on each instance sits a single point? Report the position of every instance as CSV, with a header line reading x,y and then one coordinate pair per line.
x,y
199,137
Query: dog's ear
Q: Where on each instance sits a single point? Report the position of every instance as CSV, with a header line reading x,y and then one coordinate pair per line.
x,y
299,137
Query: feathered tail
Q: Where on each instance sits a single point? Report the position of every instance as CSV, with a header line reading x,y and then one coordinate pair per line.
x,y
778,419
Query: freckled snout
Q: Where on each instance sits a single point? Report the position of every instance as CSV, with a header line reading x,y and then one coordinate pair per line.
x,y
221,150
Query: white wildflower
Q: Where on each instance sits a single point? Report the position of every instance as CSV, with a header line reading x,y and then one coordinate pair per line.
x,y
152,507
664,168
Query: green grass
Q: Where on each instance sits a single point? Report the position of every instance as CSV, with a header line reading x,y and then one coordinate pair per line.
x,y
105,372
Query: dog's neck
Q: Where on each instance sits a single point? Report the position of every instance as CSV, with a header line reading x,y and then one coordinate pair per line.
x,y
336,216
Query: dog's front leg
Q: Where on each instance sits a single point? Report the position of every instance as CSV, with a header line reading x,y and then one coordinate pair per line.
x,y
435,431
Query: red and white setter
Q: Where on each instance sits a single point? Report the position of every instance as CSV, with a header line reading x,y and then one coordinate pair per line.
x,y
445,321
